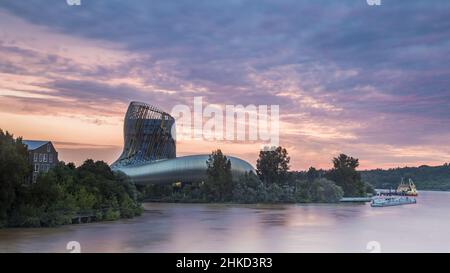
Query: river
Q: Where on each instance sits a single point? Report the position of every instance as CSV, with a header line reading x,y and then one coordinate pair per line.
x,y
422,227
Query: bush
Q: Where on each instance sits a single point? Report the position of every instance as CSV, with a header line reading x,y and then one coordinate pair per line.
x,y
320,190
249,189
111,214
127,208
26,216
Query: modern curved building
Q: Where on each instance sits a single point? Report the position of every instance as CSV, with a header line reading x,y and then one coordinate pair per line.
x,y
149,154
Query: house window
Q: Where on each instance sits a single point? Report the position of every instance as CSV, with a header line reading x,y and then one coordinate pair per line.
x,y
45,158
50,158
36,167
35,157
48,148
40,157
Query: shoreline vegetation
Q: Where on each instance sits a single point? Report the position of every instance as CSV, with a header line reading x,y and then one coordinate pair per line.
x,y
273,183
433,178
67,192
63,193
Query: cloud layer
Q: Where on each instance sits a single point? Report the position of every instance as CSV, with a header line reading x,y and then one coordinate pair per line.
x,y
370,81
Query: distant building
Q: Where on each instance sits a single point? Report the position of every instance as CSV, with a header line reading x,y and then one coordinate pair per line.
x,y
42,156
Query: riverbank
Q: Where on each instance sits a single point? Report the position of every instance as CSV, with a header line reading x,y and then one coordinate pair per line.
x,y
248,189
191,228
67,194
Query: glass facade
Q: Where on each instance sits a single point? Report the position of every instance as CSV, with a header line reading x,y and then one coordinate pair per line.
x,y
147,135
149,154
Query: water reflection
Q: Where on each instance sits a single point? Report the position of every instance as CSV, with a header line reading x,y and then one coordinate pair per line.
x,y
253,228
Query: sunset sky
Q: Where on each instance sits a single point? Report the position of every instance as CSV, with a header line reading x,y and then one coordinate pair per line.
x,y
369,81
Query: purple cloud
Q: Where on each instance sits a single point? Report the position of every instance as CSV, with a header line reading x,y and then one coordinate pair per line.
x,y
338,68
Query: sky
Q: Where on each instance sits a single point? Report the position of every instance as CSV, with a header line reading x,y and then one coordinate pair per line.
x,y
369,81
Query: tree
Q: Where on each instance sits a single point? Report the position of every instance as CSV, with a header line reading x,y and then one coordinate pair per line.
x,y
344,174
60,193
65,191
424,177
312,174
325,191
273,165
219,182
345,161
249,189
14,170
319,190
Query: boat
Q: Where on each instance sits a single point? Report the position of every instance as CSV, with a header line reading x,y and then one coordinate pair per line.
x,y
388,201
408,189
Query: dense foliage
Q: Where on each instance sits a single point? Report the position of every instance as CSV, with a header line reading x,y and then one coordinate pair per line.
x,y
14,170
425,177
273,165
249,189
319,190
344,174
274,184
62,193
219,185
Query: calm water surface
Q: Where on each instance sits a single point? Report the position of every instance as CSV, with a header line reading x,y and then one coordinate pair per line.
x,y
423,227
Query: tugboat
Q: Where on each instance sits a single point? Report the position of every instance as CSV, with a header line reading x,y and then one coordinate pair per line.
x,y
408,189
387,201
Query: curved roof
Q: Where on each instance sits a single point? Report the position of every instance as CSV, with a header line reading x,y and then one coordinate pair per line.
x,y
185,169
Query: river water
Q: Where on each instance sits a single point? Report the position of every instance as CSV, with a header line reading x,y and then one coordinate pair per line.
x,y
422,227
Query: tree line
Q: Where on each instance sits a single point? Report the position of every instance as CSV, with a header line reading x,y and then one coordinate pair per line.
x,y
272,182
425,177
62,193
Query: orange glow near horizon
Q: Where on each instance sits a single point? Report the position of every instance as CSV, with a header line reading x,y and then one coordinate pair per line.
x,y
77,140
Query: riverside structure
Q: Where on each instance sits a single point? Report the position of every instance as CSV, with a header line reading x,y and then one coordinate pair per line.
x,y
149,153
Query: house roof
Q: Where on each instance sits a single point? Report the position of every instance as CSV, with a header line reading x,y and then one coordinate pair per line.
x,y
34,144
